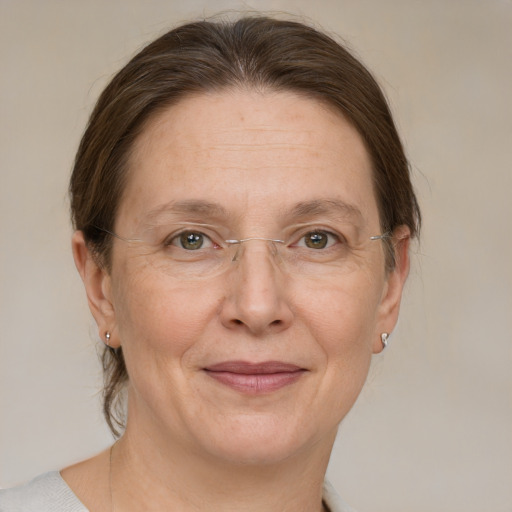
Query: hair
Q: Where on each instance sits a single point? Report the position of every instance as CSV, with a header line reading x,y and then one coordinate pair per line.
x,y
254,52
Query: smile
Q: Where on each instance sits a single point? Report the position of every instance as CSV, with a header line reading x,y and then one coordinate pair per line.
x,y
255,378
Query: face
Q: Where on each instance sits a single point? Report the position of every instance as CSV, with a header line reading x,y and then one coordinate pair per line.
x,y
261,359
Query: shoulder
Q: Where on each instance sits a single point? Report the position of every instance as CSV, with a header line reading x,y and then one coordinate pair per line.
x,y
333,500
46,493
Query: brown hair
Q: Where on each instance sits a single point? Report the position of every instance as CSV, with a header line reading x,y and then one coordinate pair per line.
x,y
252,52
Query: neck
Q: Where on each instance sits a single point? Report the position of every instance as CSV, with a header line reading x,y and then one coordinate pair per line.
x,y
154,475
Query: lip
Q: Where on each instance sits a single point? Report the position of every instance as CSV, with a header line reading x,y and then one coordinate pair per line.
x,y
255,378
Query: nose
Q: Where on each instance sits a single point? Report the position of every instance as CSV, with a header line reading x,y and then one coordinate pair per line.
x,y
256,299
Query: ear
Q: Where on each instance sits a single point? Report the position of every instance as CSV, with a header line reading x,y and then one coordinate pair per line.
x,y
395,281
97,284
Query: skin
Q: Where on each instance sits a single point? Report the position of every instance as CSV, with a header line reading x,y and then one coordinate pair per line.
x,y
193,443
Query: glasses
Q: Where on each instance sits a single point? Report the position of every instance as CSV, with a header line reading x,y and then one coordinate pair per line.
x,y
197,251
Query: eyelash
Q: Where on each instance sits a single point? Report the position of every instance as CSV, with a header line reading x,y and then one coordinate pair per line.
x,y
335,238
175,237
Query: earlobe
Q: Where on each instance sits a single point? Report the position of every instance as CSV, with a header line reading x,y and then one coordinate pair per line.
x,y
97,285
395,282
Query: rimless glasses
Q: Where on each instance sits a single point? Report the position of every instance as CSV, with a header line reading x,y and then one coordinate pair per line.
x,y
197,251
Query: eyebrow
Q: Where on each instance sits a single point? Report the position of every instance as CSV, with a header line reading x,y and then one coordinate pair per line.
x,y
190,206
318,207
312,208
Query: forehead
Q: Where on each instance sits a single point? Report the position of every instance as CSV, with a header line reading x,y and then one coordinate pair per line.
x,y
252,153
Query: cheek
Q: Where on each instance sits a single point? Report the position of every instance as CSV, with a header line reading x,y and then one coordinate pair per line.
x,y
342,322
156,316
342,315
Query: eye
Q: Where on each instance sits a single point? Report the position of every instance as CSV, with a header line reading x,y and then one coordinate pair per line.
x,y
191,240
318,240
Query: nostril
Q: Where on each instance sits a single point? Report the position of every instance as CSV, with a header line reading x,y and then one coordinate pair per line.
x,y
237,321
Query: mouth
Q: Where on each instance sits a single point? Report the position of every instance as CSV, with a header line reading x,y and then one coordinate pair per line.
x,y
255,378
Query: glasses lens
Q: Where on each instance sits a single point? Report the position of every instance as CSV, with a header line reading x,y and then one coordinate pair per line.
x,y
190,252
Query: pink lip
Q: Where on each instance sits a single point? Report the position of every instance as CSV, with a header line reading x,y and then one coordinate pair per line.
x,y
255,378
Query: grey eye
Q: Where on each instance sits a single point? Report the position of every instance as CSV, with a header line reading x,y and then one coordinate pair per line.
x,y
318,240
190,240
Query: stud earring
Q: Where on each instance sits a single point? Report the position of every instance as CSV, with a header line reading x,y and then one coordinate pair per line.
x,y
107,339
384,339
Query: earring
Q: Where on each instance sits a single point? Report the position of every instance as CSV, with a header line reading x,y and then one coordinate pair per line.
x,y
384,338
107,339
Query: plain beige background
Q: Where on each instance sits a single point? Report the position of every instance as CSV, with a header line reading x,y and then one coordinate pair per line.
x,y
433,429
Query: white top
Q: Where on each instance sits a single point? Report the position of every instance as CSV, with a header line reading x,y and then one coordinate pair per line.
x,y
50,493
46,493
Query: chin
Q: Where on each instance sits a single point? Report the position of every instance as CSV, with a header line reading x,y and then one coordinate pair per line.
x,y
260,441
255,452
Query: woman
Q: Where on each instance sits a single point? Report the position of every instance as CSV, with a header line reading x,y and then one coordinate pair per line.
x,y
243,213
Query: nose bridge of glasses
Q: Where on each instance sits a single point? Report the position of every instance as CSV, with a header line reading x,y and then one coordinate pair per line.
x,y
239,244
